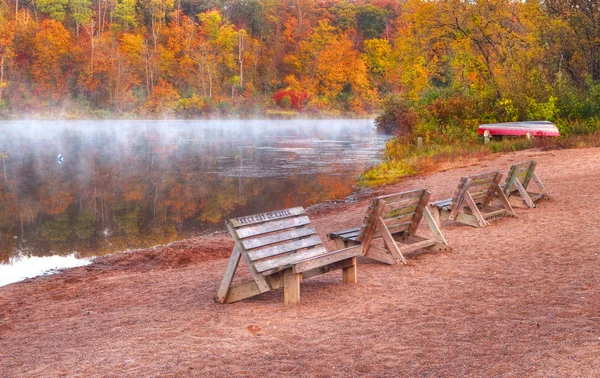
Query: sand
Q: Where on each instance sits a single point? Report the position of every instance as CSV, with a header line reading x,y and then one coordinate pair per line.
x,y
518,298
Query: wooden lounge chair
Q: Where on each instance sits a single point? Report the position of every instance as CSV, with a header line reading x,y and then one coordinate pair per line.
x,y
280,248
472,201
394,218
517,182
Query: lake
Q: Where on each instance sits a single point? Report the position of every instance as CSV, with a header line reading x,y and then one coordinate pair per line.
x,y
89,188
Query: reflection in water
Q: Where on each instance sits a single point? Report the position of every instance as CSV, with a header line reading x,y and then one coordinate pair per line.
x,y
132,184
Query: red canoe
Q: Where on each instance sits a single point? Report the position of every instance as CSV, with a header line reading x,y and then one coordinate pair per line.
x,y
536,128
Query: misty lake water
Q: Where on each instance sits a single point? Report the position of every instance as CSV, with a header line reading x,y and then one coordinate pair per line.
x,y
78,189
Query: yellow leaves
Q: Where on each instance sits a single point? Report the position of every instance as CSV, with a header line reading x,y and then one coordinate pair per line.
x,y
132,45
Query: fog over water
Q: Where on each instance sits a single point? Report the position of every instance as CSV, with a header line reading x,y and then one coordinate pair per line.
x,y
87,188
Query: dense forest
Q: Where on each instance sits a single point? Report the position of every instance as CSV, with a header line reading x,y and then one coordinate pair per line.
x,y
432,61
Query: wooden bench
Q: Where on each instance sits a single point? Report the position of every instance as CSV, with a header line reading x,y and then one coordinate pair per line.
x,y
517,182
394,218
280,248
472,201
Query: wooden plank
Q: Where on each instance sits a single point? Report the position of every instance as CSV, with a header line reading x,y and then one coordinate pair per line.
x,y
349,274
400,196
504,201
279,249
278,237
279,263
232,265
510,180
458,199
394,229
366,235
416,246
467,219
273,226
389,207
398,220
523,193
479,197
419,212
291,287
328,258
441,203
265,217
262,283
397,212
495,184
390,243
494,214
337,234
484,176
380,254
475,211
530,173
350,235
249,289
327,268
434,227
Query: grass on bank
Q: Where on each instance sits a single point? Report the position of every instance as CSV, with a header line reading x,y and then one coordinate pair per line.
x,y
404,158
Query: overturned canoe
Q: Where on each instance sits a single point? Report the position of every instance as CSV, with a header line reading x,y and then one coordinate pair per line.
x,y
536,128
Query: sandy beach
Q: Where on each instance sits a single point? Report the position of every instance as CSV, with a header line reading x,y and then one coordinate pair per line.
x,y
518,298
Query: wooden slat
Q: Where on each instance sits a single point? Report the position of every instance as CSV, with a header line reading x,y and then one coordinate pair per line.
x,y
277,225
397,212
401,204
327,268
416,246
279,249
524,194
530,173
271,266
475,211
394,229
265,217
381,254
419,212
278,238
483,176
390,198
495,185
328,258
433,226
261,282
232,265
367,231
337,234
398,220
390,243
249,289
350,235
441,203
459,196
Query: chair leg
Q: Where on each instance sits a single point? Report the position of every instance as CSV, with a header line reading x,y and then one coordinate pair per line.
x,y
349,273
291,287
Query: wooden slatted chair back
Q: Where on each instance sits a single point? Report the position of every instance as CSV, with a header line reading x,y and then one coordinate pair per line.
x,y
480,187
523,172
401,212
275,241
280,248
